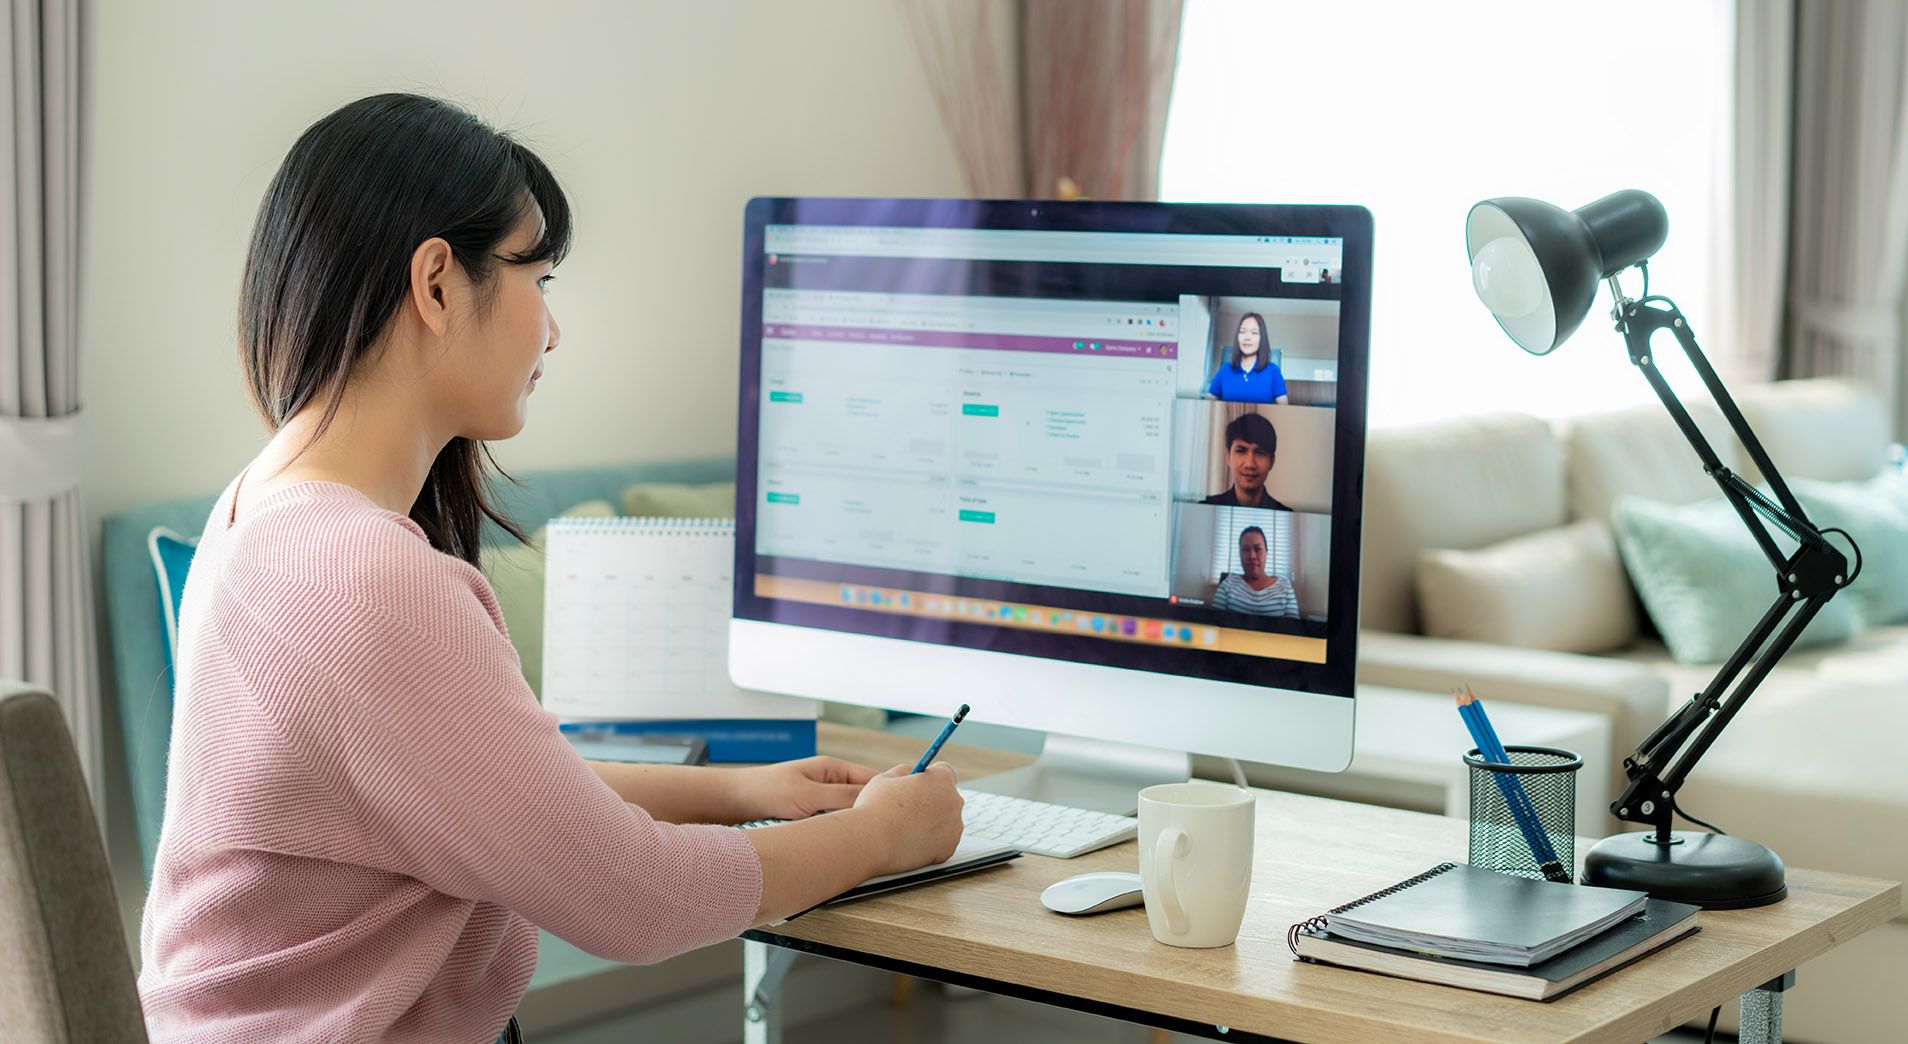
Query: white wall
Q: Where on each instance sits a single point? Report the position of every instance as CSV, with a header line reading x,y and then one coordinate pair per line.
x,y
661,120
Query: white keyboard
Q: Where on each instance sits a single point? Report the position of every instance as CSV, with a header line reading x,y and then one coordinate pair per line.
x,y
1060,831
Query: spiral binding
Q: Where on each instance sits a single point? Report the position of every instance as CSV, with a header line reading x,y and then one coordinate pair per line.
x,y
649,525
1314,924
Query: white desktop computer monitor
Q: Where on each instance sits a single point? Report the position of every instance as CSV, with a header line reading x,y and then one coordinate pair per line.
x,y
1091,468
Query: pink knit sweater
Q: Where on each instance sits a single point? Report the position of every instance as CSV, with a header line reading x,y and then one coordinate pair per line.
x,y
368,815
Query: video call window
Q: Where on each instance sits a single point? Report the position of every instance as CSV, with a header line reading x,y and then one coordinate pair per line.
x,y
1243,455
929,425
1276,351
1255,562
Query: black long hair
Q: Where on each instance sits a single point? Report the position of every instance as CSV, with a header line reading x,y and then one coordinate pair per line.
x,y
1260,360
330,259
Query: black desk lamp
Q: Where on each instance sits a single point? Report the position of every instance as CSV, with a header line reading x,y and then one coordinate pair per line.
x,y
1536,267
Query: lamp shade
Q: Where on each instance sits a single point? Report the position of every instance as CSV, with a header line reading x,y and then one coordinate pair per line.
x,y
1536,266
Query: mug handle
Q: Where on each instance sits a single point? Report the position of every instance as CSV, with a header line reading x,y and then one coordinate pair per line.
x,y
1167,848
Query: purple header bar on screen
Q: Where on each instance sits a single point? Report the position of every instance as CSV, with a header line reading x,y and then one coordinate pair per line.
x,y
950,339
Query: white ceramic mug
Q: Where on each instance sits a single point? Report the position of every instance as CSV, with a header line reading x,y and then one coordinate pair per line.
x,y
1195,848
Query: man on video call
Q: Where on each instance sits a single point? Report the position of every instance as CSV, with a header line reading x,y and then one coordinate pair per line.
x,y
1252,444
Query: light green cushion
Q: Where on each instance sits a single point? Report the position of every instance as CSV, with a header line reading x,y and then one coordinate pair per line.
x,y
1704,580
516,575
680,500
1875,514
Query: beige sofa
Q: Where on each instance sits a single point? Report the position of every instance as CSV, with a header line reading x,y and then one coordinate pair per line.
x,y
1812,766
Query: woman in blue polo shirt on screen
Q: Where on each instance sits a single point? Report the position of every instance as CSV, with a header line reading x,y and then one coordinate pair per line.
x,y
1250,375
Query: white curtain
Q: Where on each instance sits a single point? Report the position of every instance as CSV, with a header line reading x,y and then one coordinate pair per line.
x,y
46,614
1755,252
1848,251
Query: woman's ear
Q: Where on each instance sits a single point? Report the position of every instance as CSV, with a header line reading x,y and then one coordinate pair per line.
x,y
431,266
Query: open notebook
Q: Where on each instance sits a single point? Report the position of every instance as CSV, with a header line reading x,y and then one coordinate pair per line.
x,y
969,855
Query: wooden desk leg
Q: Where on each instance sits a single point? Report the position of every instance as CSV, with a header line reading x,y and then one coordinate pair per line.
x,y
1161,1036
1761,1021
763,967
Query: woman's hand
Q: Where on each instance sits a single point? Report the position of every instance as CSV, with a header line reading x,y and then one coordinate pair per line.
x,y
899,822
798,789
920,812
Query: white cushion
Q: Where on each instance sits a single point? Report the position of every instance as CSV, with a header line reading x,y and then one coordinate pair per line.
x,y
1458,484
1812,767
1876,657
1826,429
1641,452
1633,697
1561,589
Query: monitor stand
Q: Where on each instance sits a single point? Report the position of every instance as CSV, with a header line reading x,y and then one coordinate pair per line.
x,y
1086,773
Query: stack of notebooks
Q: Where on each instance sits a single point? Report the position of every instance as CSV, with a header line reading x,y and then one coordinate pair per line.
x,y
1461,926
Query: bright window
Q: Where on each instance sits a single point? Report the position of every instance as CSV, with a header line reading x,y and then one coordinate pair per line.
x,y
1419,110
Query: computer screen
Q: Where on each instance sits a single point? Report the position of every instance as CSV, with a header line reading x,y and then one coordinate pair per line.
x,y
1123,436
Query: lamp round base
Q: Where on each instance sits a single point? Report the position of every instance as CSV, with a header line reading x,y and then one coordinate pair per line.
x,y
1713,871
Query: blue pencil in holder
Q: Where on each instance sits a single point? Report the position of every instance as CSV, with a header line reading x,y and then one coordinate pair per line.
x,y
1497,825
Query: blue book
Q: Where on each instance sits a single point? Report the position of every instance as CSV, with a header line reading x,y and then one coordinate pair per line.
x,y
729,739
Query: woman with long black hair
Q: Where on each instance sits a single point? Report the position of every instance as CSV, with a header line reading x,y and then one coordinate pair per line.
x,y
1249,374
368,816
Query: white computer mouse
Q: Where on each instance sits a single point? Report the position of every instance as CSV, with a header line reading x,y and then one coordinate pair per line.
x,y
1093,893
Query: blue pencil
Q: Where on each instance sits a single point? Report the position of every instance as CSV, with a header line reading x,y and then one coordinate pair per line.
x,y
1519,801
1502,757
1472,711
934,748
1514,793
1507,783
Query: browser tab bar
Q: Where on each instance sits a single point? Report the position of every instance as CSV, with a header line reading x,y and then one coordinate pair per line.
x,y
1300,253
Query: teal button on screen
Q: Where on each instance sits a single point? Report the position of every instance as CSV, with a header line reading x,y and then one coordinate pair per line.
x,y
977,516
980,409
784,498
776,396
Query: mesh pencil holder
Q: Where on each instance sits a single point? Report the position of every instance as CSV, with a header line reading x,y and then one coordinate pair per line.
x,y
1549,779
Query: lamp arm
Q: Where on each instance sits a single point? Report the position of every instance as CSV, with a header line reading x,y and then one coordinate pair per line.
x,y
1765,661
1653,778
1805,580
1638,322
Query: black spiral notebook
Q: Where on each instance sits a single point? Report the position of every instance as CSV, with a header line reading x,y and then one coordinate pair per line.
x,y
1434,927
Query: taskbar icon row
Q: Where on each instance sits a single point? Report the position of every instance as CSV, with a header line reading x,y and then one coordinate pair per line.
x,y
1043,618
1046,618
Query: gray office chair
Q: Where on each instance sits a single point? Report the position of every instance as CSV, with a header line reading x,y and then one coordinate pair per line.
x,y
67,977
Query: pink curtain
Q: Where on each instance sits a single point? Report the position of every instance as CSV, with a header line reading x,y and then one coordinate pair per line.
x,y
1095,78
1052,98
967,50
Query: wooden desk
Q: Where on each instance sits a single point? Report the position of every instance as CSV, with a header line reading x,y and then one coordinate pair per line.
x,y
989,931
